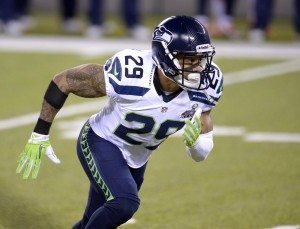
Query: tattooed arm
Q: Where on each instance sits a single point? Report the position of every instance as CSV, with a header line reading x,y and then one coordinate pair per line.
x,y
85,81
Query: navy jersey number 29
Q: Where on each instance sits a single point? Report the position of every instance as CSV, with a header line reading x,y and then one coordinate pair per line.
x,y
165,129
134,72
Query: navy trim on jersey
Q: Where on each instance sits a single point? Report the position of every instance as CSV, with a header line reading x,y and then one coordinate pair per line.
x,y
220,88
128,90
152,147
201,97
157,85
116,69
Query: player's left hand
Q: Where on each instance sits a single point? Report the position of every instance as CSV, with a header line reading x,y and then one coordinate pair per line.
x,y
192,129
30,158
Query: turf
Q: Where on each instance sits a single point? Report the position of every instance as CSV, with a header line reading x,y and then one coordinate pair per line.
x,y
241,185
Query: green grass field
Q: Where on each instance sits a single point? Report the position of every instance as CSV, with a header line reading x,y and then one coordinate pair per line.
x,y
241,185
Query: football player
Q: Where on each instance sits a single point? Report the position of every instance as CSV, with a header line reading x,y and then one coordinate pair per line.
x,y
151,95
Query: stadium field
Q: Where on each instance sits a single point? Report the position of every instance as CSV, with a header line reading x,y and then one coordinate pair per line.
x,y
251,179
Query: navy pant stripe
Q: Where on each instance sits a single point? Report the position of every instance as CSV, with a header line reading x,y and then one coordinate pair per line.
x,y
91,163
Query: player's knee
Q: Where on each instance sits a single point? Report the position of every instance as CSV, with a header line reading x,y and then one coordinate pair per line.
x,y
125,207
128,207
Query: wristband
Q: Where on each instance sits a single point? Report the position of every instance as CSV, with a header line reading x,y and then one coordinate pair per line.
x,y
54,96
42,127
202,147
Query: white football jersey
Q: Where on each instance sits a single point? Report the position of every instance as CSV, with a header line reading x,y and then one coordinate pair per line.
x,y
139,116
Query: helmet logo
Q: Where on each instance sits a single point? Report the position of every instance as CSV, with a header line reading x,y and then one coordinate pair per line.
x,y
162,34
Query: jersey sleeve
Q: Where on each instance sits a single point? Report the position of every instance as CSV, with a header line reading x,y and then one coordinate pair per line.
x,y
210,97
125,76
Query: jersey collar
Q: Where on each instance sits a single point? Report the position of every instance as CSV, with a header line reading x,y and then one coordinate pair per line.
x,y
160,92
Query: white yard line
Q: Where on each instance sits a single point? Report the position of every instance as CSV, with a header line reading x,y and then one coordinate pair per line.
x,y
72,45
18,121
234,49
286,227
272,137
262,72
70,130
86,47
65,112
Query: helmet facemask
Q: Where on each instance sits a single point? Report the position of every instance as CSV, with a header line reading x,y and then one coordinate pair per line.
x,y
193,76
184,75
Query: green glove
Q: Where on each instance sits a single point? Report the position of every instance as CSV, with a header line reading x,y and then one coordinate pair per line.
x,y
192,129
30,158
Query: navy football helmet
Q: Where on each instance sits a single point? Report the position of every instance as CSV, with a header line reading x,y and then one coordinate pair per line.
x,y
184,37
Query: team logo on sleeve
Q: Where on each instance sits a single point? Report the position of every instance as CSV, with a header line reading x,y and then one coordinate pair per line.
x,y
116,69
162,34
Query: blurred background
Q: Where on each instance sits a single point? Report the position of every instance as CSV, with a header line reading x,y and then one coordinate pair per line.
x,y
252,20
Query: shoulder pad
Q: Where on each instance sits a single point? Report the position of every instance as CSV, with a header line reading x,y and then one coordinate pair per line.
x,y
128,72
211,96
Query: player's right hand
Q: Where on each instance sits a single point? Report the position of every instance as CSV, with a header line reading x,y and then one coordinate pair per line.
x,y
30,158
